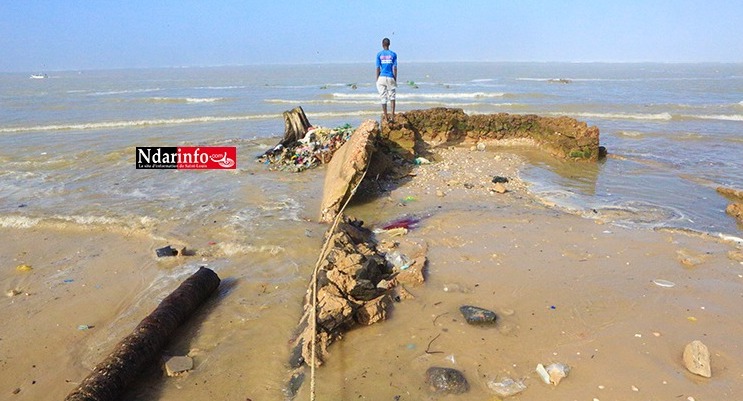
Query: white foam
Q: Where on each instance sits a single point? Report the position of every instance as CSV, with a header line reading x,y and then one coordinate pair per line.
x,y
137,123
18,221
724,117
440,95
622,116
186,99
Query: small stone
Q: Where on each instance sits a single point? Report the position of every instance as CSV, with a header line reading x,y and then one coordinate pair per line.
x,y
697,359
13,292
446,381
178,365
480,146
506,387
498,179
557,372
500,188
477,315
440,193
165,251
24,268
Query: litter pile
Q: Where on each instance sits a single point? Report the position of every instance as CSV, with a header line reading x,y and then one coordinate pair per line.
x,y
316,147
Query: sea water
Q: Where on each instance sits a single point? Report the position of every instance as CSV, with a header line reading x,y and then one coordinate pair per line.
x,y
674,132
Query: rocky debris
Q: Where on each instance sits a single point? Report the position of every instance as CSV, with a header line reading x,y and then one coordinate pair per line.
x,y
414,131
477,316
506,387
354,283
735,210
736,255
346,170
690,258
731,193
498,179
178,365
697,359
446,381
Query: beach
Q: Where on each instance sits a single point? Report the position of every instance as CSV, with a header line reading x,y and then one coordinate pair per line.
x,y
611,267
565,288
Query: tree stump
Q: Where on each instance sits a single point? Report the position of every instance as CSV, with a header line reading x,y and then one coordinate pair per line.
x,y
296,125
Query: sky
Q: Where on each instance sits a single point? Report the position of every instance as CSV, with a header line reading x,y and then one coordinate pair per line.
x,y
39,36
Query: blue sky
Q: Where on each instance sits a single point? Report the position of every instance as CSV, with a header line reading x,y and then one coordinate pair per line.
x,y
39,36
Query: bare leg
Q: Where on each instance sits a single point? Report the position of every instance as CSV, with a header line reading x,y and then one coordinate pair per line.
x,y
384,110
393,109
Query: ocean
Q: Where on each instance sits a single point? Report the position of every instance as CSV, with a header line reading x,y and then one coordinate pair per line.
x,y
674,133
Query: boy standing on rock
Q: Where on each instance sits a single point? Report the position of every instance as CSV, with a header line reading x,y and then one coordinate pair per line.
x,y
387,76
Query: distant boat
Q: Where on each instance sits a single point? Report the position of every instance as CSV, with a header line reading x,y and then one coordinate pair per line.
x,y
39,76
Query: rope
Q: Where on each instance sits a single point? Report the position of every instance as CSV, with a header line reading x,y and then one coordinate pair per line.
x,y
313,313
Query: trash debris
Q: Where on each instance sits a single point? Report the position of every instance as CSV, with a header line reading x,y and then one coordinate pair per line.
x,y
397,260
13,292
542,372
421,160
506,387
409,198
315,148
480,146
166,251
664,283
406,222
24,268
84,327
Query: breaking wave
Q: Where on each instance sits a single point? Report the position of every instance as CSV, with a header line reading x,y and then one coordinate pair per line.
x,y
461,95
186,99
136,123
623,116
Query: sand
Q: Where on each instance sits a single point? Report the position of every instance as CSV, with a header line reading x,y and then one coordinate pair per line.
x,y
565,288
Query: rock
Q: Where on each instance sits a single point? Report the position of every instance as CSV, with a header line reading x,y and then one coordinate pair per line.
x,y
506,387
735,210
498,179
500,188
736,255
446,381
697,359
439,193
178,365
165,251
373,311
690,258
557,372
731,193
476,315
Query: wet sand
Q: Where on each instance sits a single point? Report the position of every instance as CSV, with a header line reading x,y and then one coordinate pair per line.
x,y
565,288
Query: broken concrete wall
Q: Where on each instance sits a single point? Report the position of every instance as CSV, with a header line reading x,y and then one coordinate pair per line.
x,y
564,137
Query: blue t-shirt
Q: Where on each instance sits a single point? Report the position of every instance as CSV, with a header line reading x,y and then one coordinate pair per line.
x,y
386,60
